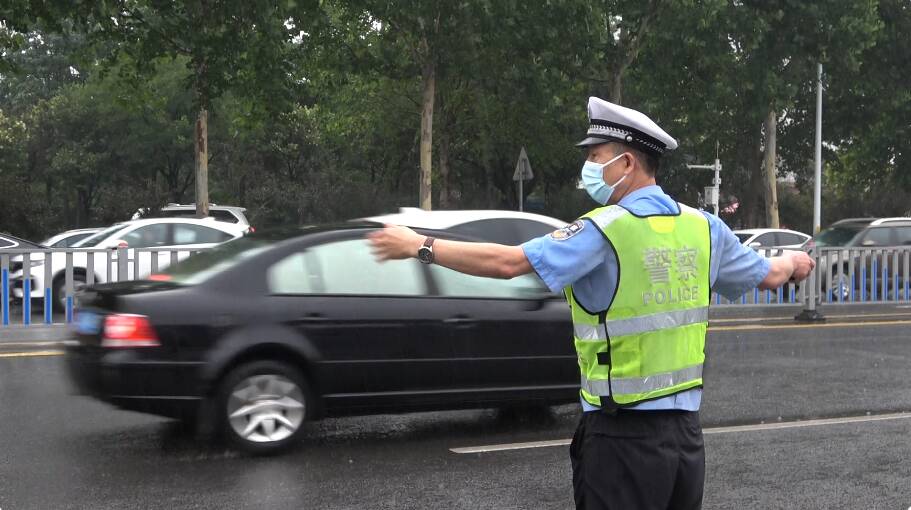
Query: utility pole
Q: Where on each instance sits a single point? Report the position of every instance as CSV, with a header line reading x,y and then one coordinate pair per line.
x,y
712,192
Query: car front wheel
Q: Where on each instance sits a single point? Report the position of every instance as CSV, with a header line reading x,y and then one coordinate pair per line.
x,y
262,406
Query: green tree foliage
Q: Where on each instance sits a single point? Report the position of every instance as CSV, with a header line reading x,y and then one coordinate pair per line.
x,y
316,108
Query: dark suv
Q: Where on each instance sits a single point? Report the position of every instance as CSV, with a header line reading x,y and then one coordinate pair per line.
x,y
872,248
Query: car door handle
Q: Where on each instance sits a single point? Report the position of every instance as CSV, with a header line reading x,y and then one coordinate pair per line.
x,y
313,317
460,322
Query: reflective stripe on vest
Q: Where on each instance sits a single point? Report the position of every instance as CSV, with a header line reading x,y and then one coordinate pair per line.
x,y
641,384
644,324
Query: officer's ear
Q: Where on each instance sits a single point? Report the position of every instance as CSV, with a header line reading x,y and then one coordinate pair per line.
x,y
629,159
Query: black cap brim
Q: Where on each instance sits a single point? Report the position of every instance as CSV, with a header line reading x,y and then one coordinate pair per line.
x,y
593,141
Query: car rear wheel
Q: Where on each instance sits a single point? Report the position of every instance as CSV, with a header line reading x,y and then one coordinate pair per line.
x,y
262,406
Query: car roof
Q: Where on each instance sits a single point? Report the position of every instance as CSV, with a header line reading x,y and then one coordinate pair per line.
x,y
211,207
441,220
896,219
207,222
754,231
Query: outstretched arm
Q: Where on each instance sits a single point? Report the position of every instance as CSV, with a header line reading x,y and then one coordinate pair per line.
x,y
479,259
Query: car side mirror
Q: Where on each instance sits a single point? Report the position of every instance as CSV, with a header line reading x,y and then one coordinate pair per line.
x,y
868,242
120,243
755,244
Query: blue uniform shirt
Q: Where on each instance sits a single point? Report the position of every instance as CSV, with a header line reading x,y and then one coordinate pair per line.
x,y
582,258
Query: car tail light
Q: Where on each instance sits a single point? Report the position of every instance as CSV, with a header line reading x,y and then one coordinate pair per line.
x,y
128,330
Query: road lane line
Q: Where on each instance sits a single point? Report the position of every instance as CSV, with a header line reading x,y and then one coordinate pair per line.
x,y
806,326
714,430
30,354
832,317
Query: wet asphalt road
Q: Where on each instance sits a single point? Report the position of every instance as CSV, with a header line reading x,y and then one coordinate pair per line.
x,y
62,451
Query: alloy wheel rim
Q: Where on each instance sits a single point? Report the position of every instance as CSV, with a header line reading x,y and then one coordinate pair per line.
x,y
266,408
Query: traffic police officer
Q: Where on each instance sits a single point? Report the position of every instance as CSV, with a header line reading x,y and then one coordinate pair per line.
x,y
637,274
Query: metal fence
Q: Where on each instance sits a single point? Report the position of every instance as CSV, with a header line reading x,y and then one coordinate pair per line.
x,y
842,276
52,276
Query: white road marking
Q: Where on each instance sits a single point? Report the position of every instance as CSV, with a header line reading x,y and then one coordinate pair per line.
x,y
30,354
33,344
713,430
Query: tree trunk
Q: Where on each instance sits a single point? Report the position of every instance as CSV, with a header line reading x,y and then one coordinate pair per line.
x,y
445,193
770,126
428,75
202,164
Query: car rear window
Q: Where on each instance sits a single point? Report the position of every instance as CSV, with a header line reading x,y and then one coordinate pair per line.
x,y
837,236
203,265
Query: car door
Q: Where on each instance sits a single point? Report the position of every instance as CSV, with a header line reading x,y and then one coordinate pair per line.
x,y
378,341
507,335
141,243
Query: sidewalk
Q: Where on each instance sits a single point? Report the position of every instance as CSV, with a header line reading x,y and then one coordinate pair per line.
x,y
34,333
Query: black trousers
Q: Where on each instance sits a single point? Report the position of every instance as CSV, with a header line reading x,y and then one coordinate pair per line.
x,y
638,460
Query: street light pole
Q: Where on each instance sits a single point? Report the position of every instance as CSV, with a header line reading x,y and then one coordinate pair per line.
x,y
810,313
817,180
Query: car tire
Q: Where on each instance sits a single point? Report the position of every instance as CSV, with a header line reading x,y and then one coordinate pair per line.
x,y
58,298
261,406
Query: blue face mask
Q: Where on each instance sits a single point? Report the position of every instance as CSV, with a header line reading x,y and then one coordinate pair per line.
x,y
593,180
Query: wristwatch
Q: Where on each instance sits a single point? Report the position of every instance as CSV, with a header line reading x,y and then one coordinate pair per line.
x,y
425,252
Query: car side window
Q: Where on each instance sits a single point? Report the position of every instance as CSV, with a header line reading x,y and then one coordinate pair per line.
x,y
765,240
455,284
197,234
5,243
787,239
512,231
291,275
222,215
148,236
903,236
346,267
877,237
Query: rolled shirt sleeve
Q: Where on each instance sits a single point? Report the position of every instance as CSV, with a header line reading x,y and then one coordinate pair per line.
x,y
566,255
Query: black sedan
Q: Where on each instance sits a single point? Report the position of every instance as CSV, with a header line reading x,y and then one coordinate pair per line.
x,y
261,333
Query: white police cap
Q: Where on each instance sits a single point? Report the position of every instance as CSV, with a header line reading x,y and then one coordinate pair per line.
x,y
609,122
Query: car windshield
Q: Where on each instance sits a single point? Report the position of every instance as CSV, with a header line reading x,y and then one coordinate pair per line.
x,y
203,265
743,237
95,239
837,236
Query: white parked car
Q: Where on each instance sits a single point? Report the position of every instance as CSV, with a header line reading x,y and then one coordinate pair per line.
x,y
504,227
764,239
144,240
69,238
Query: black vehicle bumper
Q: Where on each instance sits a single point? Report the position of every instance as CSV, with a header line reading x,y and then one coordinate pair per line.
x,y
128,381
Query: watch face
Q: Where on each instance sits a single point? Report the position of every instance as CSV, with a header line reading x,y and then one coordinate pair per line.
x,y
425,255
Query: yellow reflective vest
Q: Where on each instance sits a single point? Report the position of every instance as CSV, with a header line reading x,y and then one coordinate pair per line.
x,y
650,342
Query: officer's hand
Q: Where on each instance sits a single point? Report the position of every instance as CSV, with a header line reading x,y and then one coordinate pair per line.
x,y
803,265
395,242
